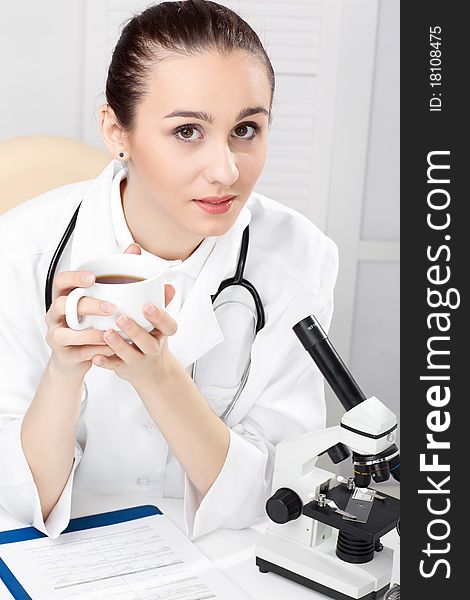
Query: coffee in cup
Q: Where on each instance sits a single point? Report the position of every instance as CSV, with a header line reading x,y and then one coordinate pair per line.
x,y
117,278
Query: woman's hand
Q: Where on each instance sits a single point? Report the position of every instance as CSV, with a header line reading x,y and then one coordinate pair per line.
x,y
147,358
72,351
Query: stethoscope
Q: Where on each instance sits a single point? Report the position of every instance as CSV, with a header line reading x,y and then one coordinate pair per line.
x,y
236,280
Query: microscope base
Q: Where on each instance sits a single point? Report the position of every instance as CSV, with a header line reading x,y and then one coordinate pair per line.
x,y
266,567
322,570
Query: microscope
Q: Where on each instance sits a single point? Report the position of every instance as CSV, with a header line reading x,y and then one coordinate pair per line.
x,y
324,534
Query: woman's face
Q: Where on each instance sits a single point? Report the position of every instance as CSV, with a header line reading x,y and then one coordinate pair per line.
x,y
219,150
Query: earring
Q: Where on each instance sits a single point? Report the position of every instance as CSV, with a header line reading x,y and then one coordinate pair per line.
x,y
121,154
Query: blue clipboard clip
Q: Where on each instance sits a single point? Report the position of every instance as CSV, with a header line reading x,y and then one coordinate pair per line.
x,y
78,524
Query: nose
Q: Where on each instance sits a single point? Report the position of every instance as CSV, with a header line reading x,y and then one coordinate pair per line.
x,y
221,167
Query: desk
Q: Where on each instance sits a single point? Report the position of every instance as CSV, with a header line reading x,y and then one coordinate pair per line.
x,y
231,551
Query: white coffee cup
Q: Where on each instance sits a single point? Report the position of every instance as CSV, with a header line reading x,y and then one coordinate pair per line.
x,y
129,298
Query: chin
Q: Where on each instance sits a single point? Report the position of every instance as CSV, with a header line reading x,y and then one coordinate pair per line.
x,y
216,225
216,229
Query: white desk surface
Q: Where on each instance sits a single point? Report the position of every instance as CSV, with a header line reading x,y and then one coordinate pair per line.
x,y
231,551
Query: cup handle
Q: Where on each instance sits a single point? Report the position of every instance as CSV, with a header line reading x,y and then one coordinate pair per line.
x,y
73,321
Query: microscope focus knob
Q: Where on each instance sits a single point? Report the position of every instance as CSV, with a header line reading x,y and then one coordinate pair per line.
x,y
283,506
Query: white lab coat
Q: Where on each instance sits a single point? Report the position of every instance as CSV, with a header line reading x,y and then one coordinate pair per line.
x,y
119,449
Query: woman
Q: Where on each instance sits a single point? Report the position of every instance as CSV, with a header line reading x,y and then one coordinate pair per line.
x,y
189,96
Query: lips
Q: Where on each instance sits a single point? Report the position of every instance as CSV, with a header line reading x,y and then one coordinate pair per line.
x,y
219,207
214,199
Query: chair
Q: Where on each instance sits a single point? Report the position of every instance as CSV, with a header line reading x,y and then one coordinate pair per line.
x,y
31,165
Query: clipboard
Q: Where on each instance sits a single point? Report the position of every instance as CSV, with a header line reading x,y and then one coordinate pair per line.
x,y
78,524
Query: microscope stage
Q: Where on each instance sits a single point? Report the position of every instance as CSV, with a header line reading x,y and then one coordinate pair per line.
x,y
382,519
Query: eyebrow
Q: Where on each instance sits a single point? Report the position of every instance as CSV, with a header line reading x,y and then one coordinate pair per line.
x,y
203,116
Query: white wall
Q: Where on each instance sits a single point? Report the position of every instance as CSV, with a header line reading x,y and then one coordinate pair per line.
x,y
41,67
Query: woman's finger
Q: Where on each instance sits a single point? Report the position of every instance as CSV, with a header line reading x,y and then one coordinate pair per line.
x,y
139,336
64,336
107,362
122,349
65,281
133,249
160,319
73,355
169,293
85,306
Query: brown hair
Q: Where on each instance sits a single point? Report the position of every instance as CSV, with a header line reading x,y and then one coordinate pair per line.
x,y
184,27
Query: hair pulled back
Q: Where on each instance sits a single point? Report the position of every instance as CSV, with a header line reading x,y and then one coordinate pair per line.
x,y
186,28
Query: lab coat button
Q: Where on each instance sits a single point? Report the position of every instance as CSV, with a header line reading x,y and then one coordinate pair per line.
x,y
239,428
144,481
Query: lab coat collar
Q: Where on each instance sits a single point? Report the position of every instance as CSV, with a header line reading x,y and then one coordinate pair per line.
x,y
198,329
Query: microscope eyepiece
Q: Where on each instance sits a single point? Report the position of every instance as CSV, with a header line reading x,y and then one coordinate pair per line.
x,y
310,332
317,344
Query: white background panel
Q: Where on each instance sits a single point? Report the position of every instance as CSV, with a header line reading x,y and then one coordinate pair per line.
x,y
381,216
286,28
40,65
287,176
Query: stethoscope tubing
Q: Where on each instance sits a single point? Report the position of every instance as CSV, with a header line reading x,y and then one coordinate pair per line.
x,y
56,257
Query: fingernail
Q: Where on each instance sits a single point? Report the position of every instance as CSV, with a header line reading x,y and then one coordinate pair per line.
x,y
107,307
87,278
151,309
110,335
105,334
122,321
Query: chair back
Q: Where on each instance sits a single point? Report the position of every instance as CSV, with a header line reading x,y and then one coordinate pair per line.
x,y
31,165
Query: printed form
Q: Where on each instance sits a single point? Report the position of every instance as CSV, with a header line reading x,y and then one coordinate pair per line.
x,y
145,559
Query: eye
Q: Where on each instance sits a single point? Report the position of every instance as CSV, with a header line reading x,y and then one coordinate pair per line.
x,y
186,132
242,129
